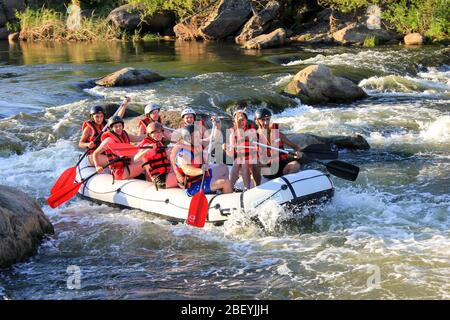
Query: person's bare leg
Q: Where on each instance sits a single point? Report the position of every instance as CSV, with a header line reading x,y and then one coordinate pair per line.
x,y
291,167
234,174
223,184
171,180
256,173
135,169
102,160
246,175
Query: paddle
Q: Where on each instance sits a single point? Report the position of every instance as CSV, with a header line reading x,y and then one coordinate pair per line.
x,y
68,191
125,149
198,208
317,151
338,168
69,174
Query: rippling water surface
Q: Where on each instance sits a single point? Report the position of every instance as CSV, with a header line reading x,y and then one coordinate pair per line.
x,y
386,235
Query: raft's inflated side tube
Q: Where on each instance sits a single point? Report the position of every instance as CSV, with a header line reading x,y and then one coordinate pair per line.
x,y
173,204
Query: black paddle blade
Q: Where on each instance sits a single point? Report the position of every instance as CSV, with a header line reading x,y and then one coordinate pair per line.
x,y
321,151
342,169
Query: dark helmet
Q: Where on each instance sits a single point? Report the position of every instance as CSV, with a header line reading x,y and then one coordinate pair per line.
x,y
96,109
115,119
262,113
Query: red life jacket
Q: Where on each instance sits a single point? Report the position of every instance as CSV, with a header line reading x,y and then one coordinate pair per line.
x,y
242,139
185,181
95,132
158,163
123,138
275,141
145,121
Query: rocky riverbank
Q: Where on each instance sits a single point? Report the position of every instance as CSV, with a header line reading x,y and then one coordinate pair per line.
x,y
250,24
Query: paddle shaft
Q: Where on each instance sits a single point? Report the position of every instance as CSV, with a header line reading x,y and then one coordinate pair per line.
x,y
209,154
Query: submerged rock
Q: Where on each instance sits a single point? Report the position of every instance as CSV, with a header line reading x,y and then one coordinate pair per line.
x,y
316,84
22,226
129,77
354,142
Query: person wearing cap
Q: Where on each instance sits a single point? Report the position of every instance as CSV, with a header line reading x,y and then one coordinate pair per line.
x,y
93,128
239,147
272,161
187,161
152,114
156,161
123,168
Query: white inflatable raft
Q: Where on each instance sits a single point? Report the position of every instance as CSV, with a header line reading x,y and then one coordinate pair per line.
x,y
304,187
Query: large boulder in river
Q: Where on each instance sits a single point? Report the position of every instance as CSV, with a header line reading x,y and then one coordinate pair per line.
x,y
22,226
356,33
130,17
274,39
226,19
129,77
259,23
353,142
316,84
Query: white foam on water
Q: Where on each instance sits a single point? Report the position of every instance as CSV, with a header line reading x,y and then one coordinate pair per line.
x,y
36,171
377,60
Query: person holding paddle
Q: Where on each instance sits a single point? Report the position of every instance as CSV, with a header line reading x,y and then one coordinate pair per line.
x,y
94,127
277,163
154,154
125,168
187,161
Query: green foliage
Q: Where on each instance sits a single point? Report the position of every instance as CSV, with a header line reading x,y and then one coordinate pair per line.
x,y
428,17
48,24
347,5
13,26
182,8
370,41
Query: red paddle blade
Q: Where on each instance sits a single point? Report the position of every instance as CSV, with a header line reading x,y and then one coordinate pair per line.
x,y
123,149
63,194
198,210
65,178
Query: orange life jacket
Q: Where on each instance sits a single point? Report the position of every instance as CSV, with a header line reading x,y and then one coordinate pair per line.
x,y
275,141
241,139
185,181
158,163
95,132
123,138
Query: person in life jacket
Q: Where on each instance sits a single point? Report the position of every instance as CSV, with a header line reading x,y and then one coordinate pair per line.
x,y
189,116
92,130
241,149
188,165
155,158
152,114
125,168
274,163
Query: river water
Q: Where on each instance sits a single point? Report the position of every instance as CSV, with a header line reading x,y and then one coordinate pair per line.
x,y
386,235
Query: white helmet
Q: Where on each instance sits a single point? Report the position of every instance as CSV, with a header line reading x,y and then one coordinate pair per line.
x,y
150,107
187,111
